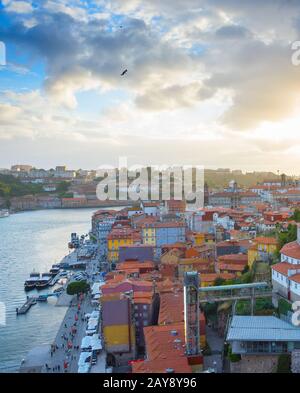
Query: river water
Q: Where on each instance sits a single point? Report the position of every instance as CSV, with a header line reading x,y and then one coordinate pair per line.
x,y
32,241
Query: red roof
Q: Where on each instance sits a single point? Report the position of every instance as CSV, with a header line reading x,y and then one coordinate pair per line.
x,y
284,267
238,259
291,250
231,267
165,347
266,240
296,278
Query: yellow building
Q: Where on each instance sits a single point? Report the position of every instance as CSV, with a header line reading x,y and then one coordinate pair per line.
x,y
120,237
119,332
148,235
118,337
262,249
198,238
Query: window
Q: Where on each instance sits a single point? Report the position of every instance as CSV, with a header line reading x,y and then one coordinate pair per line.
x,y
145,307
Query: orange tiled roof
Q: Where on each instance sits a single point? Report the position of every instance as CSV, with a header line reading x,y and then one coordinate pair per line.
x,y
296,278
171,308
231,267
284,267
135,265
233,257
178,364
115,283
291,250
266,240
142,297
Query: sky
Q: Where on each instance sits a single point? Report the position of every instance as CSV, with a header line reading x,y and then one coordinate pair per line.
x,y
209,82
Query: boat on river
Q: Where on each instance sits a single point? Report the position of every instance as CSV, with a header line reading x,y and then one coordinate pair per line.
x,y
44,281
32,281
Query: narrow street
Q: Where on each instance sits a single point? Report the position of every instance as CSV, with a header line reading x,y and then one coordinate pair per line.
x,y
216,344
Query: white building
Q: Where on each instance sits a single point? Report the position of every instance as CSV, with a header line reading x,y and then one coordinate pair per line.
x,y
151,208
286,274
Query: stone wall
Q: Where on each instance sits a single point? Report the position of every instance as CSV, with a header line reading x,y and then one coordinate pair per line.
x,y
259,364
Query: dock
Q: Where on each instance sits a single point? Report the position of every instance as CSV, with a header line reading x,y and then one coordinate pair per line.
x,y
26,306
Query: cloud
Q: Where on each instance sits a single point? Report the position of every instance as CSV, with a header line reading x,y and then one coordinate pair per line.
x,y
18,7
205,70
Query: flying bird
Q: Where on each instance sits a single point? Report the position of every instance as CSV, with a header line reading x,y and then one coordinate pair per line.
x,y
124,72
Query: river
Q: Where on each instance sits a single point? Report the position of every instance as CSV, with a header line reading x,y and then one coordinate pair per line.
x,y
32,241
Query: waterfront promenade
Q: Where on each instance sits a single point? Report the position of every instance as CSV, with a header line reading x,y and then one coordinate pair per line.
x,y
65,350
63,354
72,330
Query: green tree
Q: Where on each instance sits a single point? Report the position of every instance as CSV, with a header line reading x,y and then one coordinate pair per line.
x,y
246,278
219,281
62,187
296,215
76,287
284,307
233,357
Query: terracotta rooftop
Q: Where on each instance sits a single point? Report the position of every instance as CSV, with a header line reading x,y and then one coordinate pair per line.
x,y
178,364
231,267
233,258
295,278
291,250
165,347
284,267
265,240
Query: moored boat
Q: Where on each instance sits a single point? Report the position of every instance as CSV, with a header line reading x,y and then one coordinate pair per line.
x,y
44,281
32,281
54,270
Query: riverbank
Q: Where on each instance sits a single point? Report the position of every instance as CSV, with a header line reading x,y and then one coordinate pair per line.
x,y
36,202
32,240
63,353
